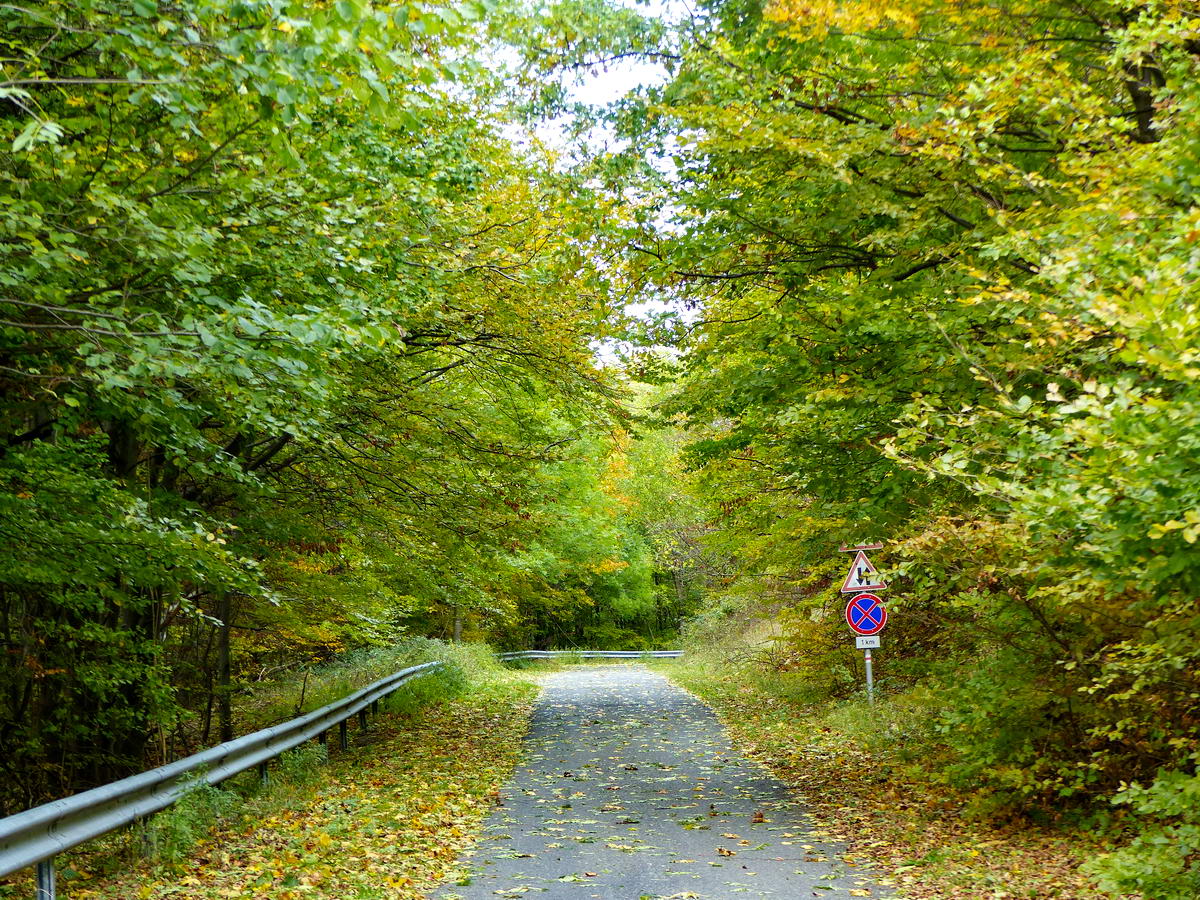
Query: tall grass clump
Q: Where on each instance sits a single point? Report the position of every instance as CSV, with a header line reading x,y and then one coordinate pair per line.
x,y
169,836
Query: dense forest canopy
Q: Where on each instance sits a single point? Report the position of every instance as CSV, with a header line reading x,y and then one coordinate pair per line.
x,y
306,344
297,356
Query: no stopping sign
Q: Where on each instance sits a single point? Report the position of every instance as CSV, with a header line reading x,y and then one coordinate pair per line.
x,y
865,614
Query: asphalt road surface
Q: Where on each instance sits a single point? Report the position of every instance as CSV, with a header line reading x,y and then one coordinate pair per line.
x,y
629,788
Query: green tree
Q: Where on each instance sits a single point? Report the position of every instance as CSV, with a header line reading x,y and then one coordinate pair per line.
x,y
284,344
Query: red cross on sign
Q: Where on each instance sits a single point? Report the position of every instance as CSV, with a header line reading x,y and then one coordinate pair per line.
x,y
865,615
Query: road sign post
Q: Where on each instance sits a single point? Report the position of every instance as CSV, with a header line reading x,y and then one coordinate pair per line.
x,y
870,678
865,613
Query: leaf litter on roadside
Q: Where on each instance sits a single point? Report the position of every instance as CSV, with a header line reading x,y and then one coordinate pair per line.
x,y
385,822
911,837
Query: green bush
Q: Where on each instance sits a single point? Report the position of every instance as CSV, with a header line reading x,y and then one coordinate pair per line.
x,y
1163,861
170,836
302,765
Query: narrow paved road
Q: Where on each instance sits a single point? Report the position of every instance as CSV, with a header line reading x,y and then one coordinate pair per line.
x,y
630,789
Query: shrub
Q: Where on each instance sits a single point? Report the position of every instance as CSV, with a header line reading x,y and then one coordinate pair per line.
x,y
170,836
1163,861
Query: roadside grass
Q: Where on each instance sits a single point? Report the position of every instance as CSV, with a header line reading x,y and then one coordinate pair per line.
x,y
385,819
865,772
295,693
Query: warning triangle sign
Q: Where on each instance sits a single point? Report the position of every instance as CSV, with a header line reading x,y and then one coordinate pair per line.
x,y
862,576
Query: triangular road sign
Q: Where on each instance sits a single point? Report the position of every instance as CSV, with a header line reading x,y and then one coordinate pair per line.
x,y
862,576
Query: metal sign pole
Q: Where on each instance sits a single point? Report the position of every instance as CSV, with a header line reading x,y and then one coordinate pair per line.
x,y
870,678
865,614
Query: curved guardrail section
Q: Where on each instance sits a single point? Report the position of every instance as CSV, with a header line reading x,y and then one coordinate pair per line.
x,y
35,836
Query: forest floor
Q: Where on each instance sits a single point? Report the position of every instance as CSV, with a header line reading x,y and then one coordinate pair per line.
x,y
421,780
915,836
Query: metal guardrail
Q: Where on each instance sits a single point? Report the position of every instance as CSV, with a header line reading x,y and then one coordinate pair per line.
x,y
35,836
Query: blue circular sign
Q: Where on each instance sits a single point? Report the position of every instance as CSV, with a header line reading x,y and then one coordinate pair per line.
x,y
866,615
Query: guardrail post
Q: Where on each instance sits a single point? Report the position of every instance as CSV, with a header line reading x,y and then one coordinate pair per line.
x,y
323,738
342,734
264,773
362,719
45,880
374,707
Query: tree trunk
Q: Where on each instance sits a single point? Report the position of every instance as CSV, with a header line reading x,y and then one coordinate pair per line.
x,y
224,688
680,591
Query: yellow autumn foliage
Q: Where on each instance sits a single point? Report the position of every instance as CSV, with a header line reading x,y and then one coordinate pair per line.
x,y
816,18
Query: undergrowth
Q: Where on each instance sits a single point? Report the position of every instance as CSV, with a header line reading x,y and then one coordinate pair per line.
x,y
299,692
169,837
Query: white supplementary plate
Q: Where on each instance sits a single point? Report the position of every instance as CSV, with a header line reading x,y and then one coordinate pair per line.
x,y
866,643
